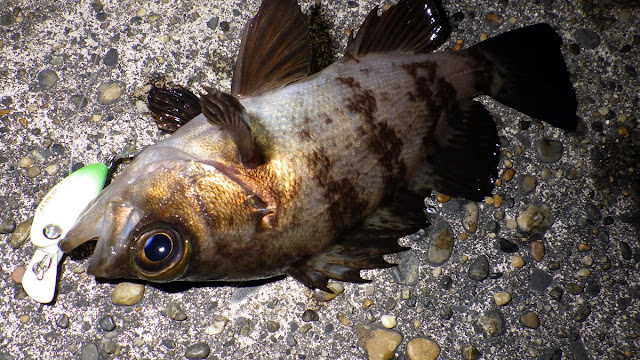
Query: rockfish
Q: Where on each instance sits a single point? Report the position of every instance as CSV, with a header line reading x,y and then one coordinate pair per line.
x,y
317,176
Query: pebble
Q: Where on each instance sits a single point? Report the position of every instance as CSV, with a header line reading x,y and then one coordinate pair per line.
x,y
310,315
62,321
470,352
175,311
21,233
408,270
574,289
110,92
445,313
440,243
109,347
33,172
502,298
445,282
343,318
7,226
111,57
199,350
213,23
530,319
582,313
18,274
380,344
539,280
537,250
479,269
535,219
25,162
527,184
423,349
217,326
588,39
508,174
584,272
107,323
388,321
507,246
273,326
336,288
470,217
47,78
625,250
548,150
89,352
517,261
491,323
127,293
442,198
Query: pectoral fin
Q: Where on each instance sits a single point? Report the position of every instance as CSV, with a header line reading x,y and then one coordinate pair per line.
x,y
275,49
172,106
364,247
225,111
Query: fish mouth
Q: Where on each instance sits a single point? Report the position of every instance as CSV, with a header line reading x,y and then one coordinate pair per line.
x,y
111,225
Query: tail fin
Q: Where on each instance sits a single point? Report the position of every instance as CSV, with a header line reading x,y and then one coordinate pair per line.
x,y
532,76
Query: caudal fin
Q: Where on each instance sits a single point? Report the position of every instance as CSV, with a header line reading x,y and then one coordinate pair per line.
x,y
531,75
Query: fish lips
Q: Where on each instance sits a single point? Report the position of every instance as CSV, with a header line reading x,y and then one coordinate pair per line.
x,y
111,227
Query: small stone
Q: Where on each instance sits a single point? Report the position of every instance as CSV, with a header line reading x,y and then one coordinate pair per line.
x,y
508,174
334,286
423,349
535,219
517,261
592,212
343,318
445,282
111,57
574,289
110,92
537,250
109,347
549,151
502,298
52,169
7,226
470,217
539,280
388,321
491,323
47,78
582,313
588,39
217,326
530,319
310,315
25,162
479,269
445,313
213,23
584,272
174,311
33,172
199,350
556,293
18,274
127,293
62,321
380,344
527,184
442,198
408,270
107,323
366,303
273,326
89,352
625,250
21,234
470,352
440,243
507,246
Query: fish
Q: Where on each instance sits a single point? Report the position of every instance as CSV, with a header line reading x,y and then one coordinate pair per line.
x,y
318,175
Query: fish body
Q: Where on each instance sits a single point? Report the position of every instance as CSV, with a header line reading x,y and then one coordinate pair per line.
x,y
317,176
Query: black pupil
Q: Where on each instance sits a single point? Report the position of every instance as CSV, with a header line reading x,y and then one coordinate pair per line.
x,y
157,247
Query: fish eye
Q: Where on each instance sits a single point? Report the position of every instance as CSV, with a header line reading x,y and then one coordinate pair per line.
x,y
160,254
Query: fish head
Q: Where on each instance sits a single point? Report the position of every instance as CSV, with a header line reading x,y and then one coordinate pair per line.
x,y
167,217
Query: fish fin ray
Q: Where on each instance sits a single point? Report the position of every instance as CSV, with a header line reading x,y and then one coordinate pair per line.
x,y
365,246
172,106
463,160
532,74
414,26
225,111
275,49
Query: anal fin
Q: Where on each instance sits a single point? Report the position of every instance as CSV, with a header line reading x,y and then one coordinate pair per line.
x,y
463,160
365,246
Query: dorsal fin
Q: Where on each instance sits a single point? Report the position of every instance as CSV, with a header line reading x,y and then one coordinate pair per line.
x,y
275,49
414,26
225,111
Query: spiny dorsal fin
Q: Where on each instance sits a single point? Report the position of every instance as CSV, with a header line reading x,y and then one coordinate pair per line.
x,y
275,49
225,111
414,26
